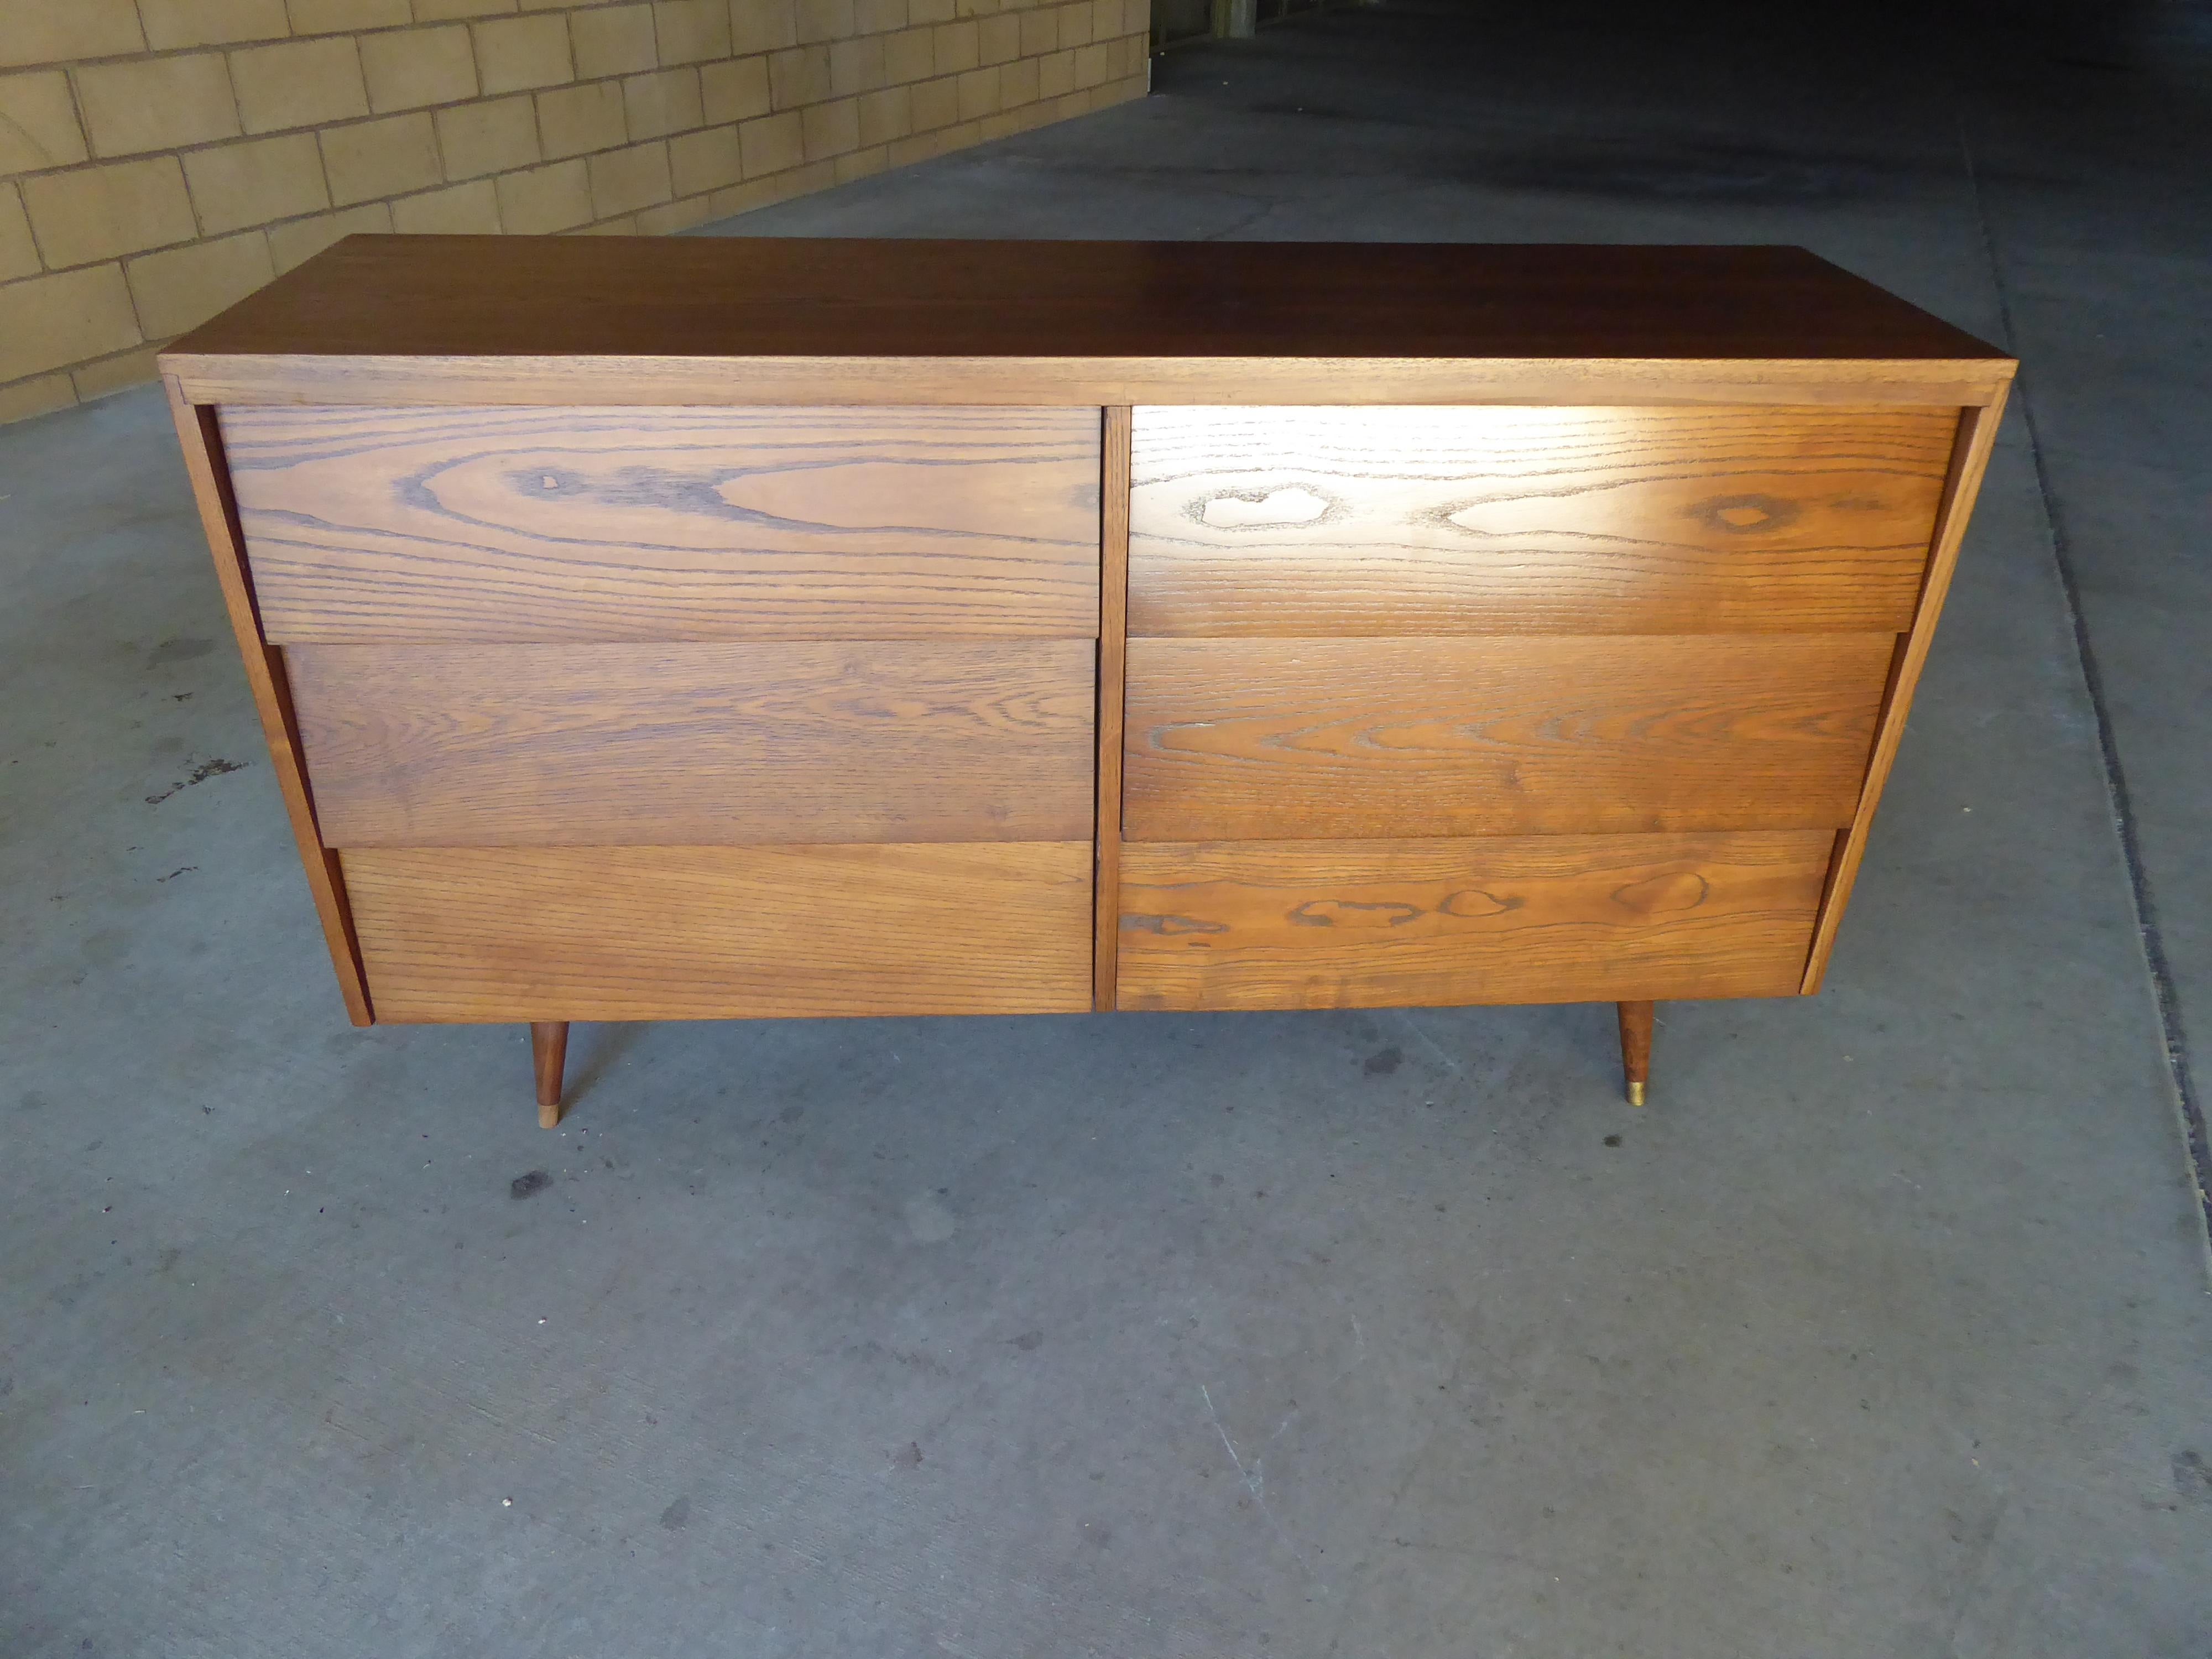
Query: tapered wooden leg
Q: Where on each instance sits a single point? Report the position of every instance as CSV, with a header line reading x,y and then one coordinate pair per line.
x,y
549,1055
1636,1048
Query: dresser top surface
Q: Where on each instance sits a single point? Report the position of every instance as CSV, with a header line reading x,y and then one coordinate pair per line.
x,y
755,297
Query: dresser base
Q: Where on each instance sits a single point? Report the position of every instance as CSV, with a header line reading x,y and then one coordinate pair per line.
x,y
549,1055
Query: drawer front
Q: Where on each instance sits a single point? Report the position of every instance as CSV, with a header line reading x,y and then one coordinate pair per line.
x,y
1287,739
1300,522
679,933
380,525
766,741
1371,924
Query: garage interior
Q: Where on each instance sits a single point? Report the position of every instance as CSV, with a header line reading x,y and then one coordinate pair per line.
x,y
1883,1330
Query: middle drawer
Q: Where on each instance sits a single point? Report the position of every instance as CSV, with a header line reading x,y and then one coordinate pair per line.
x,y
1272,739
781,741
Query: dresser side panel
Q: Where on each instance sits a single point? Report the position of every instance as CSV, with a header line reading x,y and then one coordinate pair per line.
x,y
1976,438
199,435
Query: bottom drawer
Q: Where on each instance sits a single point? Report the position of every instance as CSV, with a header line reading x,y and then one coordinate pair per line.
x,y
676,932
1374,924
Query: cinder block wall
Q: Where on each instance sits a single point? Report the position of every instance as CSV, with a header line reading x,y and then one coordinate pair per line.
x,y
161,158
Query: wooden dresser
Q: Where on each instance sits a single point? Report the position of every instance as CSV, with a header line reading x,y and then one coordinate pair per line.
x,y
699,629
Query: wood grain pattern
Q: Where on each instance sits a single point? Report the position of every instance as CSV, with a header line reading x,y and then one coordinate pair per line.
x,y
201,439
369,525
752,463
1113,651
764,319
1976,437
1305,522
712,932
698,744
1370,924
1290,738
248,379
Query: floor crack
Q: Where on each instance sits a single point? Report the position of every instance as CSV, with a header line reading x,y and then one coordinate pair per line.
x,y
2164,992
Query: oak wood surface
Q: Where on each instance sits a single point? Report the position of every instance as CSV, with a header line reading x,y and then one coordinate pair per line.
x,y
246,379
1112,643
686,744
1291,739
1418,520
377,525
674,517
201,441
687,933
1369,924
1976,437
765,318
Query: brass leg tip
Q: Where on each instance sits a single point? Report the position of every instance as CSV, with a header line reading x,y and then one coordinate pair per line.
x,y
1636,1094
549,1114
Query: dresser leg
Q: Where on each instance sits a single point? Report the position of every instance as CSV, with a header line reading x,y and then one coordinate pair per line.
x,y
549,1053
1636,1048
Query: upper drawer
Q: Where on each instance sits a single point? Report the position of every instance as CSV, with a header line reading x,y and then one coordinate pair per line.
x,y
390,525
1304,522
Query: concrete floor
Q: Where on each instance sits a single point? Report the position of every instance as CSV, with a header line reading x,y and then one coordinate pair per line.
x,y
1884,1331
